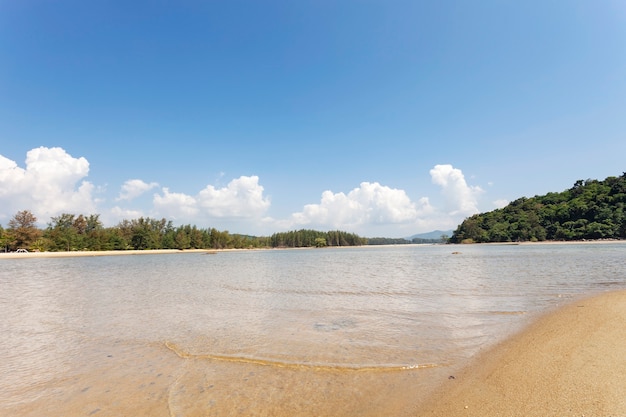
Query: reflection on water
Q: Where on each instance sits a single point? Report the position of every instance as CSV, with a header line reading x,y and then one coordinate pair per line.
x,y
352,331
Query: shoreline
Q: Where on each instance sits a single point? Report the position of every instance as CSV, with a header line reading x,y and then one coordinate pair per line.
x,y
72,254
69,254
567,362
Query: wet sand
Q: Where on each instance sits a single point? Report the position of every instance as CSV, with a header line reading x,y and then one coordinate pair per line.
x,y
570,362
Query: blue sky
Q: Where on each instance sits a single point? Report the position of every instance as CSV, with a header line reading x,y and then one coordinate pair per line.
x,y
383,118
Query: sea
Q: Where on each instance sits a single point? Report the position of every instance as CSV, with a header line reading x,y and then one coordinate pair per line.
x,y
358,331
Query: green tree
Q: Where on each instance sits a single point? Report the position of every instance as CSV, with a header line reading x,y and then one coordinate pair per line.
x,y
5,240
61,231
219,240
141,236
23,229
591,209
182,240
95,236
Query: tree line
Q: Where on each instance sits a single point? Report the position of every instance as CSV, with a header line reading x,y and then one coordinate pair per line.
x,y
401,241
591,209
70,232
310,238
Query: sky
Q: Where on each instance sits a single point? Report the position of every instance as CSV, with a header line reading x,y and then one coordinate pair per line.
x,y
383,118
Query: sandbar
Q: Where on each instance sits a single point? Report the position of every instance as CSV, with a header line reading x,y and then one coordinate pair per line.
x,y
68,254
569,362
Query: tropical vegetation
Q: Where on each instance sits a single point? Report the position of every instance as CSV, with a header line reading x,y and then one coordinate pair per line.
x,y
591,209
70,232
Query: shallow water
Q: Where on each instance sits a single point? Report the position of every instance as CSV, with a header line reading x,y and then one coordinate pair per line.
x,y
337,332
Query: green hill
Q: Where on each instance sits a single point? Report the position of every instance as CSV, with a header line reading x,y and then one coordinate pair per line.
x,y
591,209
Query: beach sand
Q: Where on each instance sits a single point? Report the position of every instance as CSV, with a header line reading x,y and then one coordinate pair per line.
x,y
570,362
71,254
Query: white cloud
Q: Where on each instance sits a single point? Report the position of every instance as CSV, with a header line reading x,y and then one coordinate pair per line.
x,y
500,203
118,214
371,203
53,182
242,198
175,205
375,209
50,184
461,198
132,189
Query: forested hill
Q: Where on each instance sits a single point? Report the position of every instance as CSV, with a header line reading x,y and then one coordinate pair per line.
x,y
591,209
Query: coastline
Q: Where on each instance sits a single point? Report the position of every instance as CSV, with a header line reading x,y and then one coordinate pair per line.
x,y
68,254
574,242
71,254
568,362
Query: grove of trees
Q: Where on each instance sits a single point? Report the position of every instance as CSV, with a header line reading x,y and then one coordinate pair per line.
x,y
309,238
70,232
402,241
591,209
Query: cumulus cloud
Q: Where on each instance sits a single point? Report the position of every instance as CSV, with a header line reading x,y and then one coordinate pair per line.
x,y
370,203
53,182
241,198
500,203
461,198
175,205
132,189
370,206
118,213
49,184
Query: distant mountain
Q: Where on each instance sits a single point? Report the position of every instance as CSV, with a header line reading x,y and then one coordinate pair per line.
x,y
435,234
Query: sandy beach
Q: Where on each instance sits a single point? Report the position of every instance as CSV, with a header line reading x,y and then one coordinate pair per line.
x,y
570,362
65,254
567,362
15,255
